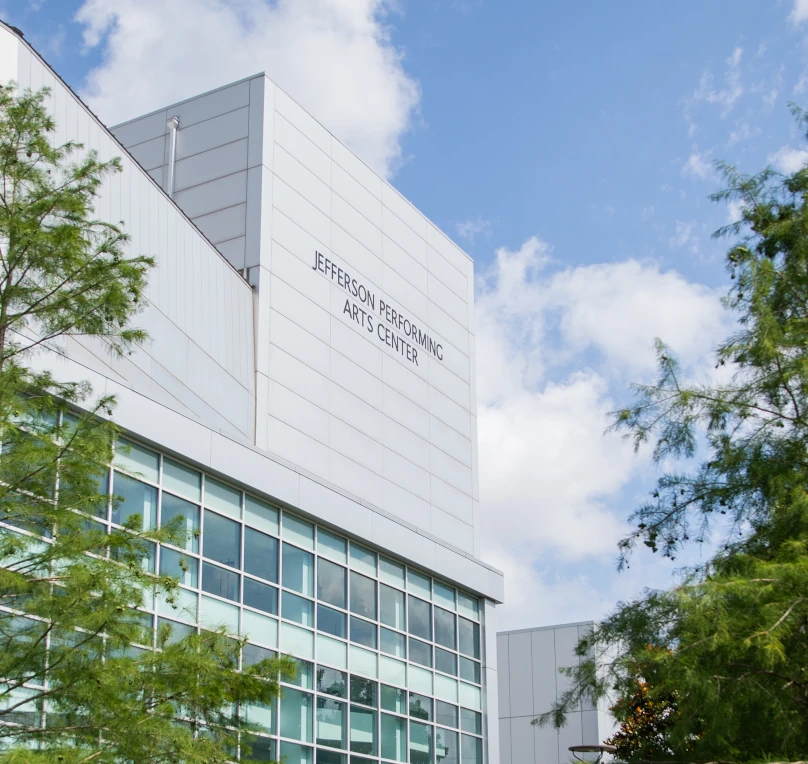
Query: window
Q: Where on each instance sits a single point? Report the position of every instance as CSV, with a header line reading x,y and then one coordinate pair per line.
x,y
419,584
260,555
298,531
260,596
182,480
186,516
420,652
332,545
363,730
136,459
420,621
304,678
327,756
363,559
136,499
297,609
421,743
257,748
472,750
471,721
394,738
331,621
296,715
221,582
393,643
176,564
445,713
446,661
391,607
363,596
444,595
331,583
252,654
469,638
394,700
331,723
222,497
260,515
292,753
298,570
363,691
446,747
420,707
222,539
391,572
445,628
331,682
363,632
469,670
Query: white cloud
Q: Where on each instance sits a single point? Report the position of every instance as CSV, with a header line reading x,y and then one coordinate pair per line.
x,y
683,236
799,12
558,349
734,211
728,95
335,57
697,166
470,229
789,160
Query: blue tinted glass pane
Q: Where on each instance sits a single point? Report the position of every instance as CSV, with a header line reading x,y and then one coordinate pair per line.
x,y
469,637
469,670
331,682
260,596
185,516
136,499
222,539
472,750
471,721
420,707
445,661
179,566
420,652
260,555
420,743
216,580
363,632
445,628
331,621
420,618
297,609
298,570
393,643
252,654
331,583
446,747
363,595
445,713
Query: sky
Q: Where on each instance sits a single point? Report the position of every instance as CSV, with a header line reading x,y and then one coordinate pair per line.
x,y
569,149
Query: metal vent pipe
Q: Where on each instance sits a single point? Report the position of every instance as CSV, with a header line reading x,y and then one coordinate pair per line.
x,y
172,124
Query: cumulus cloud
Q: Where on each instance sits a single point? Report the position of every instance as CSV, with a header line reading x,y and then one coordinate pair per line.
x,y
799,11
697,166
726,96
335,57
560,346
789,160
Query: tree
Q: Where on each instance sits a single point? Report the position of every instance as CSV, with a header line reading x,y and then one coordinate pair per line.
x,y
730,642
83,679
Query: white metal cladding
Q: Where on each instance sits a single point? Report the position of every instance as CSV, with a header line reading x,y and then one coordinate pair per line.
x,y
338,391
199,314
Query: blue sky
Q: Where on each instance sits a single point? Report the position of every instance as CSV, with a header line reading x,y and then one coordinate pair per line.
x,y
568,147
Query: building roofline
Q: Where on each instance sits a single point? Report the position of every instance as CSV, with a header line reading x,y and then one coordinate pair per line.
x,y
21,37
546,628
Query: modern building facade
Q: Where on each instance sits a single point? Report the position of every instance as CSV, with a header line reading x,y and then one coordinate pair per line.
x,y
307,403
529,683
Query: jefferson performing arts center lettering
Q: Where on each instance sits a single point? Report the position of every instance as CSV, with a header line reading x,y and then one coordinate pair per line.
x,y
363,310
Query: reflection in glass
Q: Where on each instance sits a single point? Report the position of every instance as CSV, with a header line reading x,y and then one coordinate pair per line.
x,y
304,678
221,582
420,652
445,713
472,750
292,753
136,499
181,479
419,584
445,661
420,743
392,572
298,570
331,583
173,507
394,738
471,721
252,654
363,559
420,622
327,756
391,607
298,531
260,555
331,621
445,628
331,682
469,670
331,723
332,545
177,565
394,699
363,632
363,596
257,748
446,747
363,691
222,539
297,609
420,707
469,637
296,715
363,730
392,642
260,596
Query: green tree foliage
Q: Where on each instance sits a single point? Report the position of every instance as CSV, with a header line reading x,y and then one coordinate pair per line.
x,y
730,643
74,685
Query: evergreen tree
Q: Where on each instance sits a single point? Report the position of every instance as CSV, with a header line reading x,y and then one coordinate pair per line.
x,y
730,643
76,687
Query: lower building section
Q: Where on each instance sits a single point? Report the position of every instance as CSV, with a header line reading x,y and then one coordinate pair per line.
x,y
390,657
528,663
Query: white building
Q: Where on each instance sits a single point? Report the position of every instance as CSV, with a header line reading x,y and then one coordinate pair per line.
x,y
530,683
307,401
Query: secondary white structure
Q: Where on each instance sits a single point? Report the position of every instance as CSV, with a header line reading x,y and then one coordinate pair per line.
x,y
309,394
529,683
